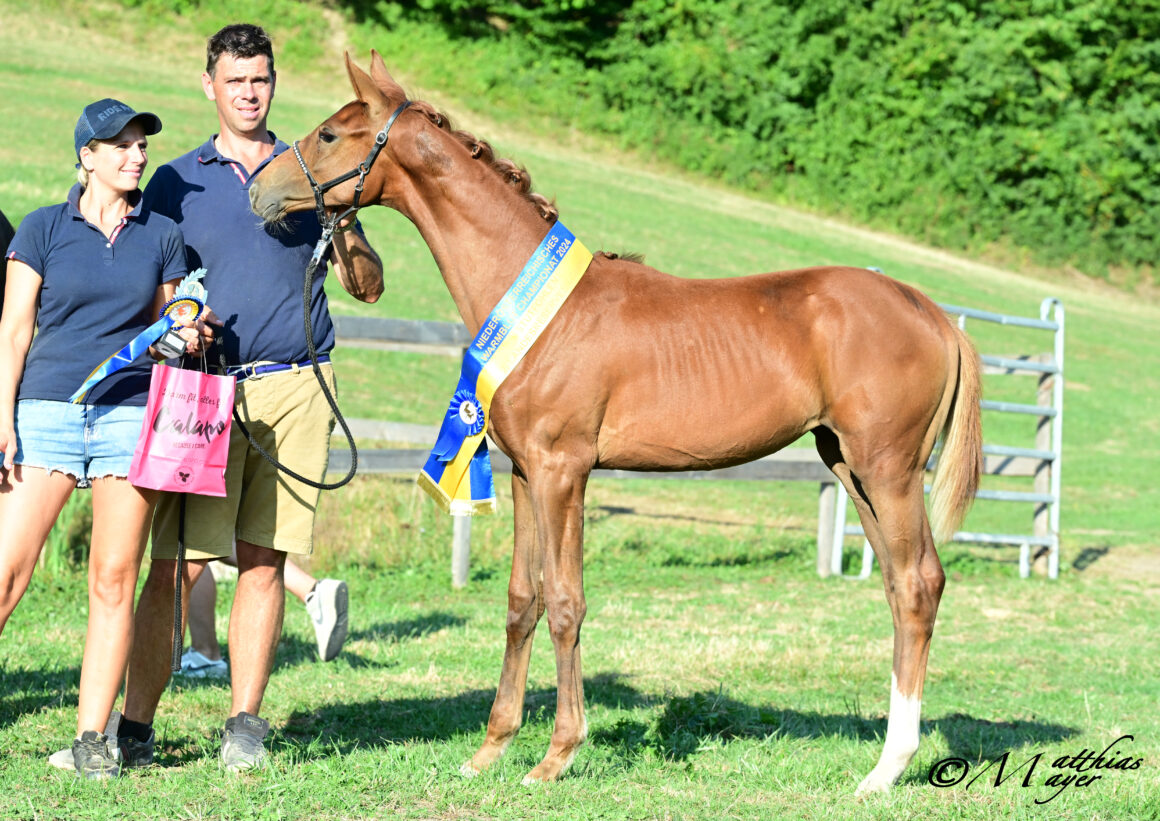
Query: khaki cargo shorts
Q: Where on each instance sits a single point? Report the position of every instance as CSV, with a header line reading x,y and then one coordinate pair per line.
x,y
287,413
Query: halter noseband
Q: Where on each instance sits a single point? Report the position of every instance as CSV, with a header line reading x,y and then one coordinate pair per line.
x,y
330,221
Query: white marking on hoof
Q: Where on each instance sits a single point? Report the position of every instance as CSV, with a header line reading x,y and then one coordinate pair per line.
x,y
902,731
876,782
529,780
468,771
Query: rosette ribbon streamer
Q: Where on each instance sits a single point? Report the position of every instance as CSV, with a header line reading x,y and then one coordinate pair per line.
x,y
458,471
188,303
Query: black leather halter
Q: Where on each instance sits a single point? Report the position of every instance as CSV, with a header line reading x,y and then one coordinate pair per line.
x,y
330,221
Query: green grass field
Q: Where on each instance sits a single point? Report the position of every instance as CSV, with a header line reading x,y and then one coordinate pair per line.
x,y
723,678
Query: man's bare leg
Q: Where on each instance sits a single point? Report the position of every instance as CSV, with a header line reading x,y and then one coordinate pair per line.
x,y
255,624
152,652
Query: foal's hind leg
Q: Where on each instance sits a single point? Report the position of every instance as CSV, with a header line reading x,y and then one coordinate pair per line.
x,y
525,606
895,523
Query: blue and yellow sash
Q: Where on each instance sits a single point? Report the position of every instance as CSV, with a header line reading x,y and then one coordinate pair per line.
x,y
458,471
187,304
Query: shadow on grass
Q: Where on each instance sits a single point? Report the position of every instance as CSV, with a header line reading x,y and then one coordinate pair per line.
x,y
23,692
384,722
673,728
294,651
1089,556
687,723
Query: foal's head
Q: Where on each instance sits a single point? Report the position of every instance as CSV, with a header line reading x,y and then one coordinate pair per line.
x,y
411,159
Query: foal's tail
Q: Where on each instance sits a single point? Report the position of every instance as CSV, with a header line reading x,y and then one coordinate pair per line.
x,y
956,477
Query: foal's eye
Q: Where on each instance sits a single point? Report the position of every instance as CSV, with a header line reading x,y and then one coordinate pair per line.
x,y
327,136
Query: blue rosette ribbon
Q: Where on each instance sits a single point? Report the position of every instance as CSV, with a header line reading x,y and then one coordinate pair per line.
x,y
188,303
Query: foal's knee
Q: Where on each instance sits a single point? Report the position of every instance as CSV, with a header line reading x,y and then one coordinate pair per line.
x,y
565,615
524,610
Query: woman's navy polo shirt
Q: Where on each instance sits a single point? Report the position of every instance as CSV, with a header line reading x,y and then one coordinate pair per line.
x,y
255,274
96,294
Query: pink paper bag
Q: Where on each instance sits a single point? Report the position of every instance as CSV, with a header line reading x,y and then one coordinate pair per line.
x,y
185,438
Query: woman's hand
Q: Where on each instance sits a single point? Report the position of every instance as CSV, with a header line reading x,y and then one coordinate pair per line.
x,y
199,335
7,446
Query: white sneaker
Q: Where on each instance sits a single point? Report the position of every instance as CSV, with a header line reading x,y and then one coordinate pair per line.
x,y
195,665
326,605
62,759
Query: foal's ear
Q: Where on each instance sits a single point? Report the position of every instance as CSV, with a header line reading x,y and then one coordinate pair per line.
x,y
383,77
364,87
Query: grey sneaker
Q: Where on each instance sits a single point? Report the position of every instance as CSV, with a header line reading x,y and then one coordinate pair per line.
x,y
327,606
63,759
195,665
92,758
242,747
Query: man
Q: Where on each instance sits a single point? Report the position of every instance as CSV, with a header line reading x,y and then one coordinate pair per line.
x,y
255,283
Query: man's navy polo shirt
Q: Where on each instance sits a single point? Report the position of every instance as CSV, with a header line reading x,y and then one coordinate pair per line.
x,y
96,294
255,275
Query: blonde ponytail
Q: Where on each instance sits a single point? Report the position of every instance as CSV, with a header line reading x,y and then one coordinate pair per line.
x,y
82,172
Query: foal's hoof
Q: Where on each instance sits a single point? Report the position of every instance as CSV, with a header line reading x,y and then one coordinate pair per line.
x,y
874,783
468,771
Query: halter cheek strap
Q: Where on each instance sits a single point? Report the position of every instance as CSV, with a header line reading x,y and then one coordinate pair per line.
x,y
330,221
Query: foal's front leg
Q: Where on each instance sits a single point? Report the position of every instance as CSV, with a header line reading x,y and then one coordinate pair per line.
x,y
525,606
558,503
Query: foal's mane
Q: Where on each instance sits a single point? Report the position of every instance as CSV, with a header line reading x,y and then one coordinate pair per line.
x,y
512,174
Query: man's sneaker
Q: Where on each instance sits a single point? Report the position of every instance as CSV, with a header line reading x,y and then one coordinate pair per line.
x,y
242,747
63,759
195,665
327,606
133,753
92,758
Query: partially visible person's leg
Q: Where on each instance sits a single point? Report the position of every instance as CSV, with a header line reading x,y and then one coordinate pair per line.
x,y
203,659
202,617
298,581
327,603
30,501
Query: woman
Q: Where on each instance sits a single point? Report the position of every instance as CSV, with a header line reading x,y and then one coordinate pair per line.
x,y
91,273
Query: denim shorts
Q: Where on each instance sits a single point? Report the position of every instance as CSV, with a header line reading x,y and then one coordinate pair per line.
x,y
85,441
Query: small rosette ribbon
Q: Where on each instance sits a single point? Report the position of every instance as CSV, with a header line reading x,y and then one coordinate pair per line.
x,y
187,304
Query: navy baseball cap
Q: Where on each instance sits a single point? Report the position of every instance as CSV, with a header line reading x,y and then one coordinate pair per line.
x,y
105,118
